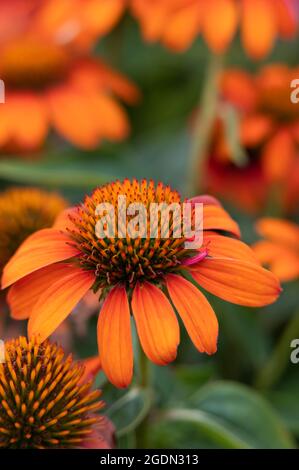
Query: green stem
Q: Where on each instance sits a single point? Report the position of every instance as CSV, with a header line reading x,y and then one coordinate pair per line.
x,y
142,429
277,363
204,123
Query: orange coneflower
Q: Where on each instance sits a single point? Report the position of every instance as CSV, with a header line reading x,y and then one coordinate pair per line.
x,y
268,132
54,269
46,399
47,85
280,249
176,23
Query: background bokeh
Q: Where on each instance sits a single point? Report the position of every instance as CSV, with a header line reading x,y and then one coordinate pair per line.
x,y
246,395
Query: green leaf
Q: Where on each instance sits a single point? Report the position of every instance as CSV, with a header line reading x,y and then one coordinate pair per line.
x,y
221,415
130,410
244,412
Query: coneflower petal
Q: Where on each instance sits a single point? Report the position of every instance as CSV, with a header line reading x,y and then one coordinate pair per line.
x,y
195,311
41,249
259,27
115,339
23,295
219,246
220,24
237,281
156,323
216,218
55,304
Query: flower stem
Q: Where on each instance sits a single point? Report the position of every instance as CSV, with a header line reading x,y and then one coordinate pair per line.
x,y
203,127
278,361
144,371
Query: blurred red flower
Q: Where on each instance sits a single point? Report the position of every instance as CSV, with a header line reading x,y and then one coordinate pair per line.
x,y
269,133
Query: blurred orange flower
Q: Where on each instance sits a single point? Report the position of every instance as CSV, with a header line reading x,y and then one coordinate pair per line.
x,y
280,249
48,86
269,133
54,269
176,23
73,22
51,79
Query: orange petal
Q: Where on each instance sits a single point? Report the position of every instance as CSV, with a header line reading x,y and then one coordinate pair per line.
x,y
259,27
239,88
41,249
216,218
286,268
197,314
115,339
276,167
58,300
152,17
281,260
5,128
23,295
219,246
92,367
73,116
156,323
279,230
237,281
254,129
183,26
111,118
27,119
286,17
63,220
220,24
100,17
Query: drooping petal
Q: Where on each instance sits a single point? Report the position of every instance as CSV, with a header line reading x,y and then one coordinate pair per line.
x,y
156,323
197,314
115,339
41,249
220,24
286,17
219,246
259,27
279,230
275,167
23,294
92,366
72,115
281,260
152,19
27,119
110,117
183,25
237,281
216,218
58,300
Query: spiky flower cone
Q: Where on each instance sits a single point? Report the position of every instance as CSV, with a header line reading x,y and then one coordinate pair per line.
x,y
43,401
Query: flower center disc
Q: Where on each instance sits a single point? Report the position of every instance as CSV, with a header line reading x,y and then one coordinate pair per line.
x,y
129,259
